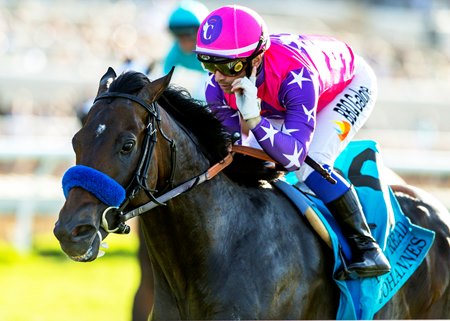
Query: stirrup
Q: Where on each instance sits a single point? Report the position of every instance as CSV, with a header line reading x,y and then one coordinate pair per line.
x,y
344,273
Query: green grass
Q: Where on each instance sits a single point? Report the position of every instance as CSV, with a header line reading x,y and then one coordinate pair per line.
x,y
46,285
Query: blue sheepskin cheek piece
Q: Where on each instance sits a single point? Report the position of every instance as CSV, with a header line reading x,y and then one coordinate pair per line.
x,y
101,185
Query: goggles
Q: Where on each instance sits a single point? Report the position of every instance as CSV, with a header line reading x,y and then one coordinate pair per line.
x,y
230,68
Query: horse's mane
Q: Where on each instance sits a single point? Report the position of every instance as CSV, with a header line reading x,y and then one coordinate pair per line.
x,y
196,117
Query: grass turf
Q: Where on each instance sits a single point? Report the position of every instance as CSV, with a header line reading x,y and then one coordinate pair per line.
x,y
46,285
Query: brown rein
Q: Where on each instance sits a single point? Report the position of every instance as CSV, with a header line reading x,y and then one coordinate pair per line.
x,y
206,176
197,180
182,188
253,152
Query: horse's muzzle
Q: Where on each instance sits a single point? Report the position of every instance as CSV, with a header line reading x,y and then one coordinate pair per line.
x,y
80,242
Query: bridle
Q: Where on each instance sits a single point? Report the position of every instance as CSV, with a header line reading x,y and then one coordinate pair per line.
x,y
115,215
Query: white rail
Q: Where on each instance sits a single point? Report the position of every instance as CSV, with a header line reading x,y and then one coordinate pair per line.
x,y
27,195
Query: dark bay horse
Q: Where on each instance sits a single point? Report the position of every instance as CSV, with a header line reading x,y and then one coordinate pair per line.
x,y
232,247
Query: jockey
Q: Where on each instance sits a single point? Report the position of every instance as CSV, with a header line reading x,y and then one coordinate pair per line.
x,y
183,25
294,96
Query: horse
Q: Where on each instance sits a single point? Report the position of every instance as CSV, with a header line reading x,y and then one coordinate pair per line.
x,y
229,246
143,297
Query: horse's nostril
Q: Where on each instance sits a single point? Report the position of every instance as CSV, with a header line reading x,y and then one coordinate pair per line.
x,y
83,231
57,231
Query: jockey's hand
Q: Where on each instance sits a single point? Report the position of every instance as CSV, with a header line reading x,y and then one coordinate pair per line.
x,y
246,96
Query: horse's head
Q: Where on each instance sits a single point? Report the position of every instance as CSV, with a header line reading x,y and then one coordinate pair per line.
x,y
113,152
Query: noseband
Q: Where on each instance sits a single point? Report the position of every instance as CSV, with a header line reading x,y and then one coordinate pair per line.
x,y
113,218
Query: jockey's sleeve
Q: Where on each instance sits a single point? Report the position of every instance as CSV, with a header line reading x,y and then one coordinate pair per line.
x,y
217,103
289,145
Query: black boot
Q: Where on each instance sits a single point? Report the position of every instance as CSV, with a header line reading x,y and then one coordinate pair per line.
x,y
368,259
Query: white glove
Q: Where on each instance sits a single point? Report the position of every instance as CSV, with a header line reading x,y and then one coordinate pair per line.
x,y
246,96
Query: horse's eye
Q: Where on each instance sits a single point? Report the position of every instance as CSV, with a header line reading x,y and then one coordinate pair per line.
x,y
127,147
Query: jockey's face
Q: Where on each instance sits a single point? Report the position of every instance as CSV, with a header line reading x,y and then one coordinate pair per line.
x,y
225,81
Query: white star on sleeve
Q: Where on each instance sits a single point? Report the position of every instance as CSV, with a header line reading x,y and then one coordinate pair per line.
x,y
310,113
288,131
298,78
209,81
270,133
294,158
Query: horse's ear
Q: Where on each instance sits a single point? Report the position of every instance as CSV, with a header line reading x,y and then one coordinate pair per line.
x,y
106,80
157,87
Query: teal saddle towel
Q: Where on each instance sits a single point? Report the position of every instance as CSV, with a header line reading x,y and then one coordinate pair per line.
x,y
404,243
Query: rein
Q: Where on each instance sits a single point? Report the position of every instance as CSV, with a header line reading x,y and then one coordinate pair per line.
x,y
260,154
190,184
182,188
116,214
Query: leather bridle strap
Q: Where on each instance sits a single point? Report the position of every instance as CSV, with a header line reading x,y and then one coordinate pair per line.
x,y
149,107
139,180
260,154
182,188
253,152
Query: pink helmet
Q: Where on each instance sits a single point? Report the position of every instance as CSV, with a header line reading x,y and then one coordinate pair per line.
x,y
231,32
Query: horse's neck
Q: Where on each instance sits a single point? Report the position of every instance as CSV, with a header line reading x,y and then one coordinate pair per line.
x,y
189,159
179,235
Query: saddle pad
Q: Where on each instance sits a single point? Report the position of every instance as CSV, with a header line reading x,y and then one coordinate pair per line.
x,y
404,243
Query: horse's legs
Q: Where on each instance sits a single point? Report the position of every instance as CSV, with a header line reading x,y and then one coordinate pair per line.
x,y
143,299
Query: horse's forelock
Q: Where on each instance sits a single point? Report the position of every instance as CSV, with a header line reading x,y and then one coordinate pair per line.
x,y
130,82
